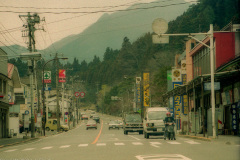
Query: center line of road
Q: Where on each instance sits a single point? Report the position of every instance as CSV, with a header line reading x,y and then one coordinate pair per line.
x,y
10,150
134,137
95,141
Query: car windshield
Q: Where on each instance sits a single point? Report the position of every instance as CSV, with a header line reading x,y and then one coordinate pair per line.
x,y
133,118
113,122
156,115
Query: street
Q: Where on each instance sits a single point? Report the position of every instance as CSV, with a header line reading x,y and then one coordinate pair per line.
x,y
105,144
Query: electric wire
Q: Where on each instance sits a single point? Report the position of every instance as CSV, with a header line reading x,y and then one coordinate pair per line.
x,y
102,11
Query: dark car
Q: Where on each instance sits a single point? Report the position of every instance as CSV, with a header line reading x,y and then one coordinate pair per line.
x,y
96,118
132,123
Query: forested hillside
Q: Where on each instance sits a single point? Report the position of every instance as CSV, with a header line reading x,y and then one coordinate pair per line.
x,y
115,74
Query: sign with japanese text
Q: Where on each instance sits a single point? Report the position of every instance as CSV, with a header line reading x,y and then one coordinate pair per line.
x,y
138,89
146,98
177,100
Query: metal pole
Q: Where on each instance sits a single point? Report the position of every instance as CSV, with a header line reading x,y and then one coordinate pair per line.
x,y
32,104
43,101
63,102
58,108
202,90
194,105
212,81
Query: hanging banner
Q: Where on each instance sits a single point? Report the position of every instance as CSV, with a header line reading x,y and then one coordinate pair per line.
x,y
146,98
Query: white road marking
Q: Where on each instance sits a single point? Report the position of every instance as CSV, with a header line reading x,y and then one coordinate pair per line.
x,y
10,150
173,142
191,142
66,146
135,138
119,144
47,147
28,149
101,144
162,157
137,143
155,144
82,145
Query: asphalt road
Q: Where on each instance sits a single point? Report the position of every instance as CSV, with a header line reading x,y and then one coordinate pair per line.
x,y
104,144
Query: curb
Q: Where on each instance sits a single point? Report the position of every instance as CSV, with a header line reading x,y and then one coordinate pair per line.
x,y
196,137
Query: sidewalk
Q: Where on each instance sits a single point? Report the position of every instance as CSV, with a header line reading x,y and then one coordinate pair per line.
x,y
22,138
225,139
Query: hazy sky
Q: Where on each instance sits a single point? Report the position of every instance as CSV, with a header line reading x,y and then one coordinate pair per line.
x,y
56,26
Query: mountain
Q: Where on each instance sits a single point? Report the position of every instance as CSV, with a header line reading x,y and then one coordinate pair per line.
x,y
110,29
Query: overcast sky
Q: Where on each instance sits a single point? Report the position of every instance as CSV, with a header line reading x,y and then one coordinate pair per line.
x,y
56,26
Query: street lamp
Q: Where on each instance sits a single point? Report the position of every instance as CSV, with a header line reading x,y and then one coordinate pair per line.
x,y
43,93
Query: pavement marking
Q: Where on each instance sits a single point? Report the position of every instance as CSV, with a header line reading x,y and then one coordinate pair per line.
x,y
162,157
82,145
191,142
119,144
173,142
12,150
66,146
95,141
28,149
101,144
47,147
155,144
134,137
137,143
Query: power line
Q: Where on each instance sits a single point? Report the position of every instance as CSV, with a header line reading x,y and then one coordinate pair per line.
x,y
104,11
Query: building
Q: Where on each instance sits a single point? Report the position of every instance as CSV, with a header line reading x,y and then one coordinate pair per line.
x,y
4,103
227,83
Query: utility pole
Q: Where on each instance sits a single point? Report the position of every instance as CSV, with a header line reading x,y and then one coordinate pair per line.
x,y
58,107
29,32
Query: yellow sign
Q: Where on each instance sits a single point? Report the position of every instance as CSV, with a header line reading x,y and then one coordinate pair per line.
x,y
146,100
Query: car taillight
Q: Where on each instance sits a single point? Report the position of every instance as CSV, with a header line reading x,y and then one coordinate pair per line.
x,y
141,124
88,125
94,125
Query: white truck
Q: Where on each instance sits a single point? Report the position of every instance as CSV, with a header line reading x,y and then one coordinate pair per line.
x,y
153,122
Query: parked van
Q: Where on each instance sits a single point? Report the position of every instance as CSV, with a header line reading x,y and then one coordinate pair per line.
x,y
153,122
51,124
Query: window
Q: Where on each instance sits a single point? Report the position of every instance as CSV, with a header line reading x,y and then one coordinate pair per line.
x,y
54,122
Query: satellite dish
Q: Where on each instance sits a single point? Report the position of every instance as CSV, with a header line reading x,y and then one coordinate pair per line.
x,y
160,26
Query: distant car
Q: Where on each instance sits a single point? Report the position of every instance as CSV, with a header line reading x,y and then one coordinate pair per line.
x,y
120,122
92,114
113,125
91,124
84,117
96,118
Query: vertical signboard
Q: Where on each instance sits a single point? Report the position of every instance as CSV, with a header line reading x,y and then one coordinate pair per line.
x,y
177,80
47,76
146,99
62,75
184,96
138,90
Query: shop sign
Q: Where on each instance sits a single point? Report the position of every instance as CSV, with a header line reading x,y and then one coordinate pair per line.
x,y
207,86
177,100
146,94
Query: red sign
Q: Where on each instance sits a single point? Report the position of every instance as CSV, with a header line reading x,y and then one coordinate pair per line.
x,y
82,94
62,73
47,80
77,94
62,80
